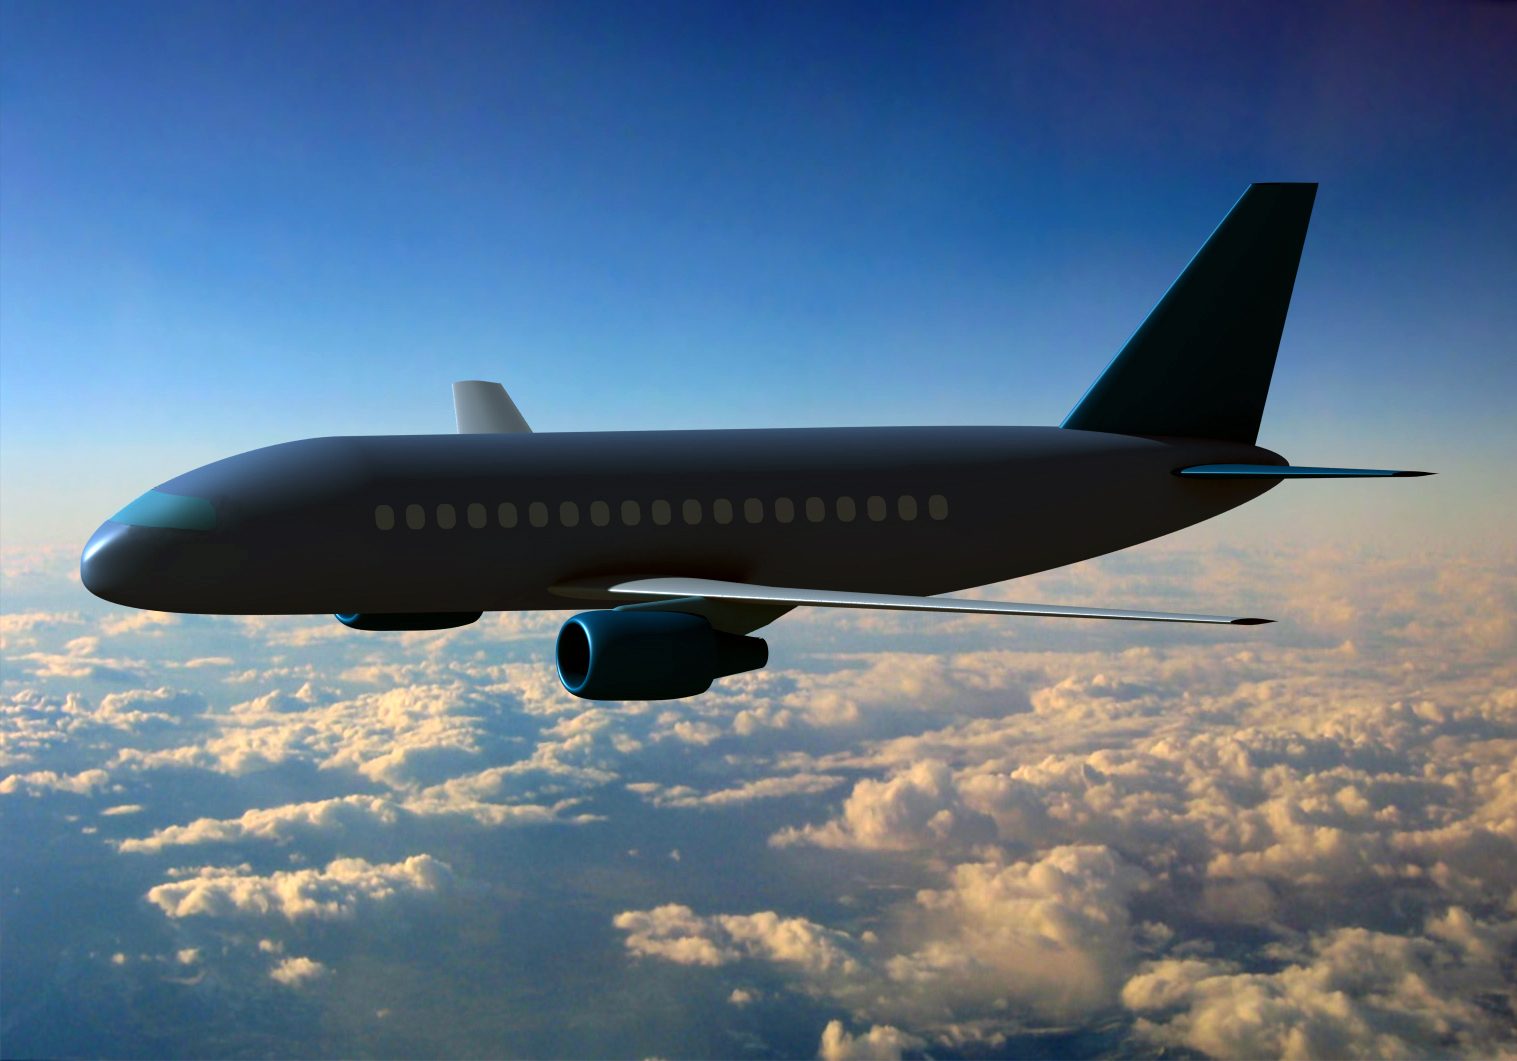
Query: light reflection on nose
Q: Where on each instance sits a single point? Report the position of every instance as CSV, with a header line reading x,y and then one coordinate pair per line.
x,y
116,560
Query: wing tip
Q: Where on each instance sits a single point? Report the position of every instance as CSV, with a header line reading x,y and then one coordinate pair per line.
x,y
1410,475
1250,622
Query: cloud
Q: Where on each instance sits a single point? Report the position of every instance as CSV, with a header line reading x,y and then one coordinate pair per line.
x,y
1051,936
333,893
881,1041
16,627
280,824
918,805
137,622
1049,939
297,972
675,933
84,783
763,788
1201,839
1355,993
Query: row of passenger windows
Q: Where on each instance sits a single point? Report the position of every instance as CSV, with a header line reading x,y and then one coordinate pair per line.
x,y
691,512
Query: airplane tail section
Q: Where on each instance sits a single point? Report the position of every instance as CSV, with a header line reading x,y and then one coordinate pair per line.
x,y
1200,365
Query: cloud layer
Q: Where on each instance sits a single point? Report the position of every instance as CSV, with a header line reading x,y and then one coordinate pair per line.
x,y
932,834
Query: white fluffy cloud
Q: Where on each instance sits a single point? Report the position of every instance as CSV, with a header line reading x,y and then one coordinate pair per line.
x,y
296,972
332,893
1354,993
882,1042
1050,939
84,783
676,933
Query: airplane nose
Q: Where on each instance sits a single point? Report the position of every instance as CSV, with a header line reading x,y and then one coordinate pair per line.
x,y
116,562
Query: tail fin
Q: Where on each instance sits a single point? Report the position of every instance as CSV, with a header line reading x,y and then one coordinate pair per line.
x,y
1199,366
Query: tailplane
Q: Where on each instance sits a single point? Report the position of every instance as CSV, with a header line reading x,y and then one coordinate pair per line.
x,y
1199,366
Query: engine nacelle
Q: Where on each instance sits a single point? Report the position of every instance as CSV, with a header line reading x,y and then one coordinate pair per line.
x,y
649,655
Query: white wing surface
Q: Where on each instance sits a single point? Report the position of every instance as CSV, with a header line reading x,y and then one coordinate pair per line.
x,y
667,589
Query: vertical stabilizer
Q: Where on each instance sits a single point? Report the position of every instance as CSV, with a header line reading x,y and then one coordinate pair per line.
x,y
486,409
1199,366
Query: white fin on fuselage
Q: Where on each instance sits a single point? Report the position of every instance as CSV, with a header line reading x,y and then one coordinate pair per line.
x,y
483,408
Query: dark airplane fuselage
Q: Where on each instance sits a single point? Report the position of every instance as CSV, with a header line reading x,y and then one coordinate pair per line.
x,y
487,522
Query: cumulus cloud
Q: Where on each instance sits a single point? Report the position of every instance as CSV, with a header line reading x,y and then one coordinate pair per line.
x,y
297,972
1050,939
918,803
281,824
676,933
882,1041
333,893
40,782
1355,993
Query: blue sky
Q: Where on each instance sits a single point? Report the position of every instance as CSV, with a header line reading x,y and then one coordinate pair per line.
x,y
224,225
228,225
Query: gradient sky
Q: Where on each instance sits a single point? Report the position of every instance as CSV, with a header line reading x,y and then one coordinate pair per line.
x,y
227,225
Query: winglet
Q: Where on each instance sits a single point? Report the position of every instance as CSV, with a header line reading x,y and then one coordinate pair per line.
x,y
483,408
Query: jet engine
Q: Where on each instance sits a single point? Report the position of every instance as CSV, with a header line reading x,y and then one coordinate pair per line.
x,y
649,655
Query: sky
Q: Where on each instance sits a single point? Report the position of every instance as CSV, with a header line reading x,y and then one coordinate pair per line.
x,y
228,225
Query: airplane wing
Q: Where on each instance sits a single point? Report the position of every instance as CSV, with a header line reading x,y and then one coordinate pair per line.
x,y
661,593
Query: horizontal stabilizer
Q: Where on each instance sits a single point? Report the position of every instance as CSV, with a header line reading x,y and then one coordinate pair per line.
x,y
1286,471
738,592
483,408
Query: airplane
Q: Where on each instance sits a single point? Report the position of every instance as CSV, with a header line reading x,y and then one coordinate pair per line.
x,y
682,543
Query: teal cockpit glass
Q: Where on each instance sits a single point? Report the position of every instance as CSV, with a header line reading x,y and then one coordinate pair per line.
x,y
153,509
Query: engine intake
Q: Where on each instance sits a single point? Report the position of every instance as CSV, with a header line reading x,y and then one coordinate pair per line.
x,y
650,655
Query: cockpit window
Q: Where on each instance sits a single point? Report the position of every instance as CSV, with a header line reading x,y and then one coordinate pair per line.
x,y
153,509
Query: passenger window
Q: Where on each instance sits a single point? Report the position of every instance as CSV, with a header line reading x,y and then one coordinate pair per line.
x,y
846,511
537,514
692,511
908,507
662,513
721,510
753,510
506,514
416,517
476,516
600,513
384,517
876,506
447,517
816,509
784,509
632,513
937,506
568,514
